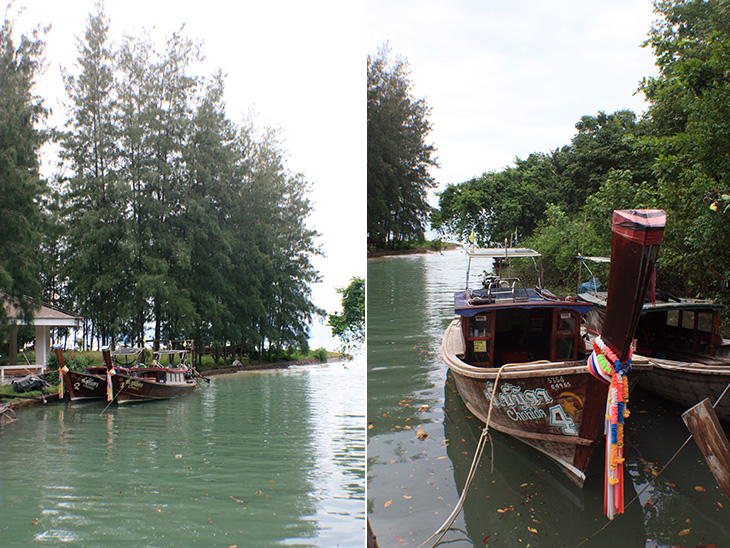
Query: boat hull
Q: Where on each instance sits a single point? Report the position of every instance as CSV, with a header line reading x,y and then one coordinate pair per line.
x,y
82,385
127,388
556,407
687,384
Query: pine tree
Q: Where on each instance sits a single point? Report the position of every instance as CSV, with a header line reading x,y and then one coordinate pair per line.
x,y
398,155
21,187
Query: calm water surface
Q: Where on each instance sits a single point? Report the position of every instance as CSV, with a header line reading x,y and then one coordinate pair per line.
x,y
251,460
518,496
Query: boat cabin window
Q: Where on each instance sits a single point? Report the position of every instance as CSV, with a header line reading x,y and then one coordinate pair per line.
x,y
675,332
519,335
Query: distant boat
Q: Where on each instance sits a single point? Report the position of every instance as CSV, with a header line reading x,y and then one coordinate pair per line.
x,y
158,382
518,357
682,339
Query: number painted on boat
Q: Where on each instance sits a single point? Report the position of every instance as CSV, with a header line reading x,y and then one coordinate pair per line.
x,y
560,419
556,383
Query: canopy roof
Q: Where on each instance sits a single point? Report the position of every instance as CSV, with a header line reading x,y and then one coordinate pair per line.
x,y
599,299
45,315
500,252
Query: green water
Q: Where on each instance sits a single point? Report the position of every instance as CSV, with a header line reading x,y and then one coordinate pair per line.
x,y
518,497
253,459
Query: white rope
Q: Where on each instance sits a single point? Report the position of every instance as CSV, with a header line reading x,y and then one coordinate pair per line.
x,y
441,531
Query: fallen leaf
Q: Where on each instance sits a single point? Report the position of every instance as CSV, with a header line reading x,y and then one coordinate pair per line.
x,y
532,530
442,457
407,497
387,503
421,434
700,489
486,539
684,532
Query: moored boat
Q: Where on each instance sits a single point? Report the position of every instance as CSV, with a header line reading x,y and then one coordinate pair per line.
x,y
518,357
682,339
91,383
158,382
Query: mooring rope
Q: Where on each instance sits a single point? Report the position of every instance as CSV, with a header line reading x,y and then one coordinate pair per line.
x,y
651,481
446,525
115,397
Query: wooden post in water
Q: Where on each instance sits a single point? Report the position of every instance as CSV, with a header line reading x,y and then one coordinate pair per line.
x,y
372,541
701,420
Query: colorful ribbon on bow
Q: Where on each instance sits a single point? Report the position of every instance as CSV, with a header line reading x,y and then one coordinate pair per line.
x,y
606,367
61,374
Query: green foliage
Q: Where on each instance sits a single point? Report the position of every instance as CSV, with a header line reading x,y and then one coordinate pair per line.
x,y
172,215
20,185
690,123
349,326
510,205
398,157
320,354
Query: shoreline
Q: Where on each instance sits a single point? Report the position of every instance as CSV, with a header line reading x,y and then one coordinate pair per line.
x,y
19,403
410,251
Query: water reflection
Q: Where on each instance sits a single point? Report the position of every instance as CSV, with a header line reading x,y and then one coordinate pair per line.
x,y
244,461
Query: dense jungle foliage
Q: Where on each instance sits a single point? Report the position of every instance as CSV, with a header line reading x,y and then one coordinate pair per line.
x,y
675,157
165,215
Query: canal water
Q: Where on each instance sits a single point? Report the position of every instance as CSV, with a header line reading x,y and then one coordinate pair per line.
x,y
259,459
518,497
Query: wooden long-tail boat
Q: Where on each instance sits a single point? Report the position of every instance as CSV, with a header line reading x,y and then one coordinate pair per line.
x,y
682,339
91,383
518,358
158,382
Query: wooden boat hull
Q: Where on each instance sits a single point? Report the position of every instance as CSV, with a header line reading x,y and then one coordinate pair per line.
x,y
686,384
556,407
82,385
130,388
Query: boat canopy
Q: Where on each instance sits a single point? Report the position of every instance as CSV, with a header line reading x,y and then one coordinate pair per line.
x,y
599,299
463,307
595,259
500,252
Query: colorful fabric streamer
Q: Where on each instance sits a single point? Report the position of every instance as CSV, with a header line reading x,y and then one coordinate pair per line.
x,y
61,373
109,373
605,366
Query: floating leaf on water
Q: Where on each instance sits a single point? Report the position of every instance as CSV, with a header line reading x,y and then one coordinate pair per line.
x,y
532,530
442,457
486,539
421,434
407,497
387,503
684,532
700,489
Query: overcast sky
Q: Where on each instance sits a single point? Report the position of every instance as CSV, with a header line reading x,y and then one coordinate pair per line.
x,y
508,78
299,66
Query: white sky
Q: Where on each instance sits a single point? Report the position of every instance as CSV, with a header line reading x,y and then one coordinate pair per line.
x,y
300,66
508,78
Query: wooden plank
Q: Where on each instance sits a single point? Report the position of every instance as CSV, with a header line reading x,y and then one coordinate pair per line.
x,y
709,436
